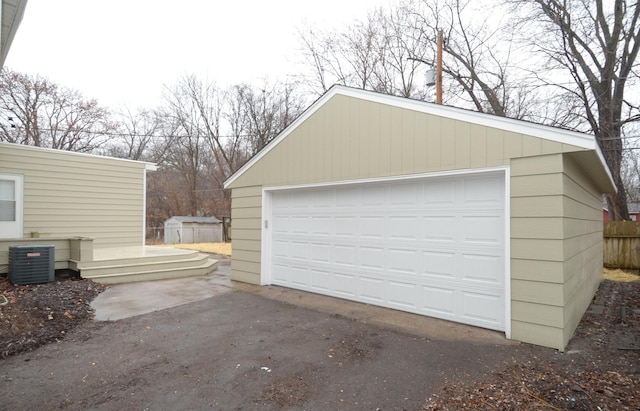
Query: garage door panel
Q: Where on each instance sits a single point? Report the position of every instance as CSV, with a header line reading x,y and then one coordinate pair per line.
x,y
371,290
404,195
346,226
280,273
439,263
404,227
482,308
372,227
439,192
483,229
321,225
403,295
433,247
483,191
320,252
402,261
345,255
298,276
373,257
323,198
346,198
345,285
320,281
299,224
482,268
438,302
372,196
438,228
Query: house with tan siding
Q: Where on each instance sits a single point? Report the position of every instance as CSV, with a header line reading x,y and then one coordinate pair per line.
x,y
434,210
91,208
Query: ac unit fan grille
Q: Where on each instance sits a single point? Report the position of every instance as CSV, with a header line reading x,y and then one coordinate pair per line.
x,y
31,264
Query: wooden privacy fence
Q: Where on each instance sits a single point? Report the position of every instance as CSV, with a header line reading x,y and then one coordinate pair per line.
x,y
622,244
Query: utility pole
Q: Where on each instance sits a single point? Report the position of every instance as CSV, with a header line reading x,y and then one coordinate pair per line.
x,y
439,70
429,75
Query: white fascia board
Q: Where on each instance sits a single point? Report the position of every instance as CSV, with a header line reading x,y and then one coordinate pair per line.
x,y
147,165
582,140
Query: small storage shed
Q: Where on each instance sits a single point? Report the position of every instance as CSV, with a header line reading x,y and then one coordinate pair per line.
x,y
435,210
189,230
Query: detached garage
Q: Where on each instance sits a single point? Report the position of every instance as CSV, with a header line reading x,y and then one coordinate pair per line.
x,y
429,209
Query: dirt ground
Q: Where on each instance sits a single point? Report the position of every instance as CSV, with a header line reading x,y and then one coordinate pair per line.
x,y
297,359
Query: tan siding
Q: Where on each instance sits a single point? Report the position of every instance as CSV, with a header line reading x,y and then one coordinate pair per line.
x,y
247,255
547,315
434,140
463,145
246,192
538,334
537,245
537,270
478,147
548,206
253,212
536,249
537,292
536,185
537,165
68,194
244,223
583,245
246,214
540,228
243,276
495,148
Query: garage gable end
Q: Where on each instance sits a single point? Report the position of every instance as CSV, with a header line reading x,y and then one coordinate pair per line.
x,y
350,134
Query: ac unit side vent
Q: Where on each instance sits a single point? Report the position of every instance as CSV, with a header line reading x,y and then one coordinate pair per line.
x,y
31,264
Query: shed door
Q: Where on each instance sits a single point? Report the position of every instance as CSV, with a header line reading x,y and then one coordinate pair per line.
x,y
11,212
433,246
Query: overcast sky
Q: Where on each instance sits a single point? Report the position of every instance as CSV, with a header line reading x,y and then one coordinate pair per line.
x,y
123,51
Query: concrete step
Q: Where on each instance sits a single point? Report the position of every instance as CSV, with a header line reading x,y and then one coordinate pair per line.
x,y
109,267
123,275
115,259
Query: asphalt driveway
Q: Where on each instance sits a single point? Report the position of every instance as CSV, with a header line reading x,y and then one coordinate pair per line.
x,y
253,348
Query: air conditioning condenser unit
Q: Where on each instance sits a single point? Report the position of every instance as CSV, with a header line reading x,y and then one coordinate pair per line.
x,y
30,264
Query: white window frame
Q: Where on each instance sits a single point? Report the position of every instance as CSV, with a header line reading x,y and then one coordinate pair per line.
x,y
14,229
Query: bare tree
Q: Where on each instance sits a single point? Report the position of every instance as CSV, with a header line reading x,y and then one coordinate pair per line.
x,y
138,137
184,129
37,112
594,45
370,54
478,61
259,114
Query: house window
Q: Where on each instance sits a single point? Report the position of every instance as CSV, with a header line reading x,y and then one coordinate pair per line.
x,y
11,211
8,200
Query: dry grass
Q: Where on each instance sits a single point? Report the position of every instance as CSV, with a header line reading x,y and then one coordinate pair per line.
x,y
620,275
215,248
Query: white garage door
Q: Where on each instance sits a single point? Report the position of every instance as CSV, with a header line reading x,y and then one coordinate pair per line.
x,y
433,246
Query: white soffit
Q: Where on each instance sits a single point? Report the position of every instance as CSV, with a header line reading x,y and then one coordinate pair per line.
x,y
585,141
12,12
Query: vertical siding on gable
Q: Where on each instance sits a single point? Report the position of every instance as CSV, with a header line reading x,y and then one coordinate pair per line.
x,y
67,194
